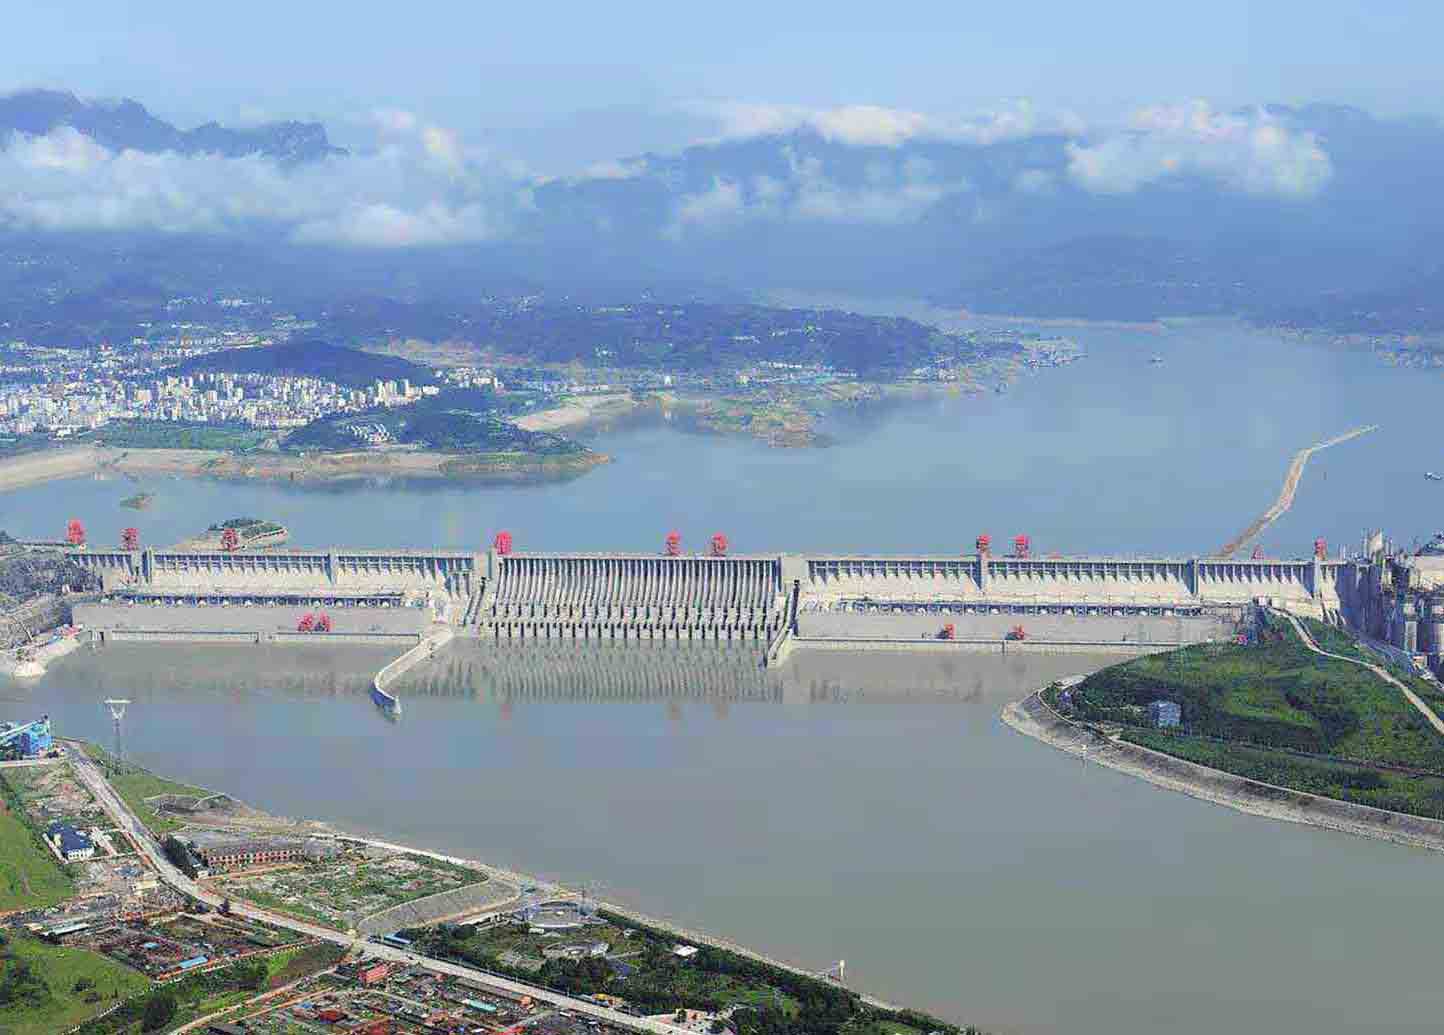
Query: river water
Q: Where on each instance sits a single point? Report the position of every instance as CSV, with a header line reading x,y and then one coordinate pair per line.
x,y
871,808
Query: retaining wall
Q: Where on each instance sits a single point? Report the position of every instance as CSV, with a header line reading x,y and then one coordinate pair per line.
x,y
1034,718
471,899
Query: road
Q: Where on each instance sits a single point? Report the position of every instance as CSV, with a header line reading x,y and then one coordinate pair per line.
x,y
90,774
1285,498
1378,670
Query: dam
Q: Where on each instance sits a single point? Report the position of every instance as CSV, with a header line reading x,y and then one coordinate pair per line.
x,y
978,601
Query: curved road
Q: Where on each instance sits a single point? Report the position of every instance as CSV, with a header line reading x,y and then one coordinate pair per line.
x,y
1378,670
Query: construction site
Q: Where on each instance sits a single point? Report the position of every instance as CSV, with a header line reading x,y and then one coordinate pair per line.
x,y
351,883
370,998
169,946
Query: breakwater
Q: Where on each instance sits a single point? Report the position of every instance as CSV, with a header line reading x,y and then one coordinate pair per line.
x,y
1290,487
434,639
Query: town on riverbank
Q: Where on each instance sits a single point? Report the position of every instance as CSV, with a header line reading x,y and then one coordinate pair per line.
x,y
130,902
294,410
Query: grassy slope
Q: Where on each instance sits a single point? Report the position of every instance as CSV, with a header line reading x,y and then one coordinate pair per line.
x,y
1277,694
29,875
135,785
61,968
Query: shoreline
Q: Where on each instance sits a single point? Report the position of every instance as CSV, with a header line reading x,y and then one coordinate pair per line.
x,y
1032,717
59,463
516,879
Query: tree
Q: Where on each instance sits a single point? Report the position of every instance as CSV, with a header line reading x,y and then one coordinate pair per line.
x,y
159,1009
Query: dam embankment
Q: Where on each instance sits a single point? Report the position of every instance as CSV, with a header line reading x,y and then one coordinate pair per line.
x,y
1032,717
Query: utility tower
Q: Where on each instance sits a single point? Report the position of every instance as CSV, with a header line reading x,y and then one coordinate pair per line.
x,y
117,712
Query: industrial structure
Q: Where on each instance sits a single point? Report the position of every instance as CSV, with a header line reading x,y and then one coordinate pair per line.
x,y
25,740
1398,598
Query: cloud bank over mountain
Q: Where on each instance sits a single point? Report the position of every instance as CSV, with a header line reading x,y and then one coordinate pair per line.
x,y
1186,203
419,185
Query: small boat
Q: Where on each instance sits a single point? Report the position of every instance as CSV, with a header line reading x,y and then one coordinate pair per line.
x,y
1431,476
1157,361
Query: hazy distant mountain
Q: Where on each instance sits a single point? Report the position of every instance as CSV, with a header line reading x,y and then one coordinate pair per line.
x,y
123,124
1276,212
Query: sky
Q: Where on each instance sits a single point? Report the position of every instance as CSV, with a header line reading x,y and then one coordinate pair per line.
x,y
554,83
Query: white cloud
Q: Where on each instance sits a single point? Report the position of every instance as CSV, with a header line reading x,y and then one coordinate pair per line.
x,y
894,190
420,187
870,125
1249,153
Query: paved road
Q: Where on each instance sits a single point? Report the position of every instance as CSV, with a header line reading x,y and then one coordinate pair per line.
x,y
1381,672
94,779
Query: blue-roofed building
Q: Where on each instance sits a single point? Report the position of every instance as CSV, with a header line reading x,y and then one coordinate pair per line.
x,y
72,845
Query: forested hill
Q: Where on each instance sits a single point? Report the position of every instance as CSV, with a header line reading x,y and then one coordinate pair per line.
x,y
310,359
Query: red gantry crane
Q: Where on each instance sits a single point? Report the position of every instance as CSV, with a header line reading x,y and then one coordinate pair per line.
x,y
672,547
75,532
1022,545
719,545
502,543
230,539
130,539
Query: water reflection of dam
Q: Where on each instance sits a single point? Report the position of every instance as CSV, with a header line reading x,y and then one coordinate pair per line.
x,y
593,673
601,673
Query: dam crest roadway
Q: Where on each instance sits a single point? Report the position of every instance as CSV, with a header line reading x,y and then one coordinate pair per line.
x,y
775,602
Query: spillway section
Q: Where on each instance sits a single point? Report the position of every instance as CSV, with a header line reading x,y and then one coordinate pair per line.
x,y
610,597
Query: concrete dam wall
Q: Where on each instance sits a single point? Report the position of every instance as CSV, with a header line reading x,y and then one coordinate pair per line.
x,y
613,597
761,599
341,573
1192,582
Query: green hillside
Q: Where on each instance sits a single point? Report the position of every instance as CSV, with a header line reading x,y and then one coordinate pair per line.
x,y
345,366
1275,693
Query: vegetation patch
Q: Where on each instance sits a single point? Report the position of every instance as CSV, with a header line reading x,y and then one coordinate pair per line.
x,y
173,434
640,964
1273,693
295,964
1381,788
30,876
135,785
47,988
1273,711
176,1003
459,420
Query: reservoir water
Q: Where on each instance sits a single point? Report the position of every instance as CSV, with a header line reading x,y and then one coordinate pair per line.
x,y
871,808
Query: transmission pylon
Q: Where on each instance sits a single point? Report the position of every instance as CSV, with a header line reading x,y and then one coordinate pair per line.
x,y
117,712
